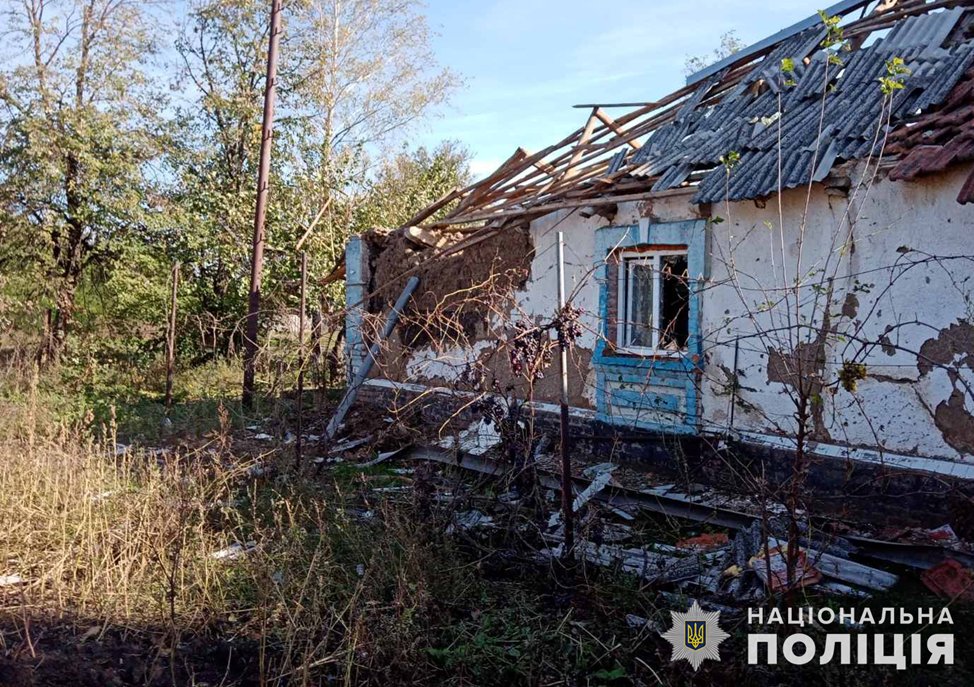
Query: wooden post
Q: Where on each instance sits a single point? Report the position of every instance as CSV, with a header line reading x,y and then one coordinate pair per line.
x,y
263,174
304,293
171,337
567,496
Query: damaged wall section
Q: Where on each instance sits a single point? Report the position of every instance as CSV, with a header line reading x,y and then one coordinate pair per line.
x,y
889,291
886,363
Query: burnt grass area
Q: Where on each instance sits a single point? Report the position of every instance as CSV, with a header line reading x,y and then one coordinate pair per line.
x,y
212,557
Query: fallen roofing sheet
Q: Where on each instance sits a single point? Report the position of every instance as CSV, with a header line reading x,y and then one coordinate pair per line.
x,y
807,119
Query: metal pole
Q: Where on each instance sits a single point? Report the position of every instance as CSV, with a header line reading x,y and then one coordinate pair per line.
x,y
304,292
171,336
567,496
363,372
257,259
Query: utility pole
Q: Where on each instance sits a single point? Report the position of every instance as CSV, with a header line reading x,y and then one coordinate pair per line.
x,y
263,174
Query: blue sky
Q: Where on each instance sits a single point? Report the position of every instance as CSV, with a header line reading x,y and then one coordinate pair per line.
x,y
526,62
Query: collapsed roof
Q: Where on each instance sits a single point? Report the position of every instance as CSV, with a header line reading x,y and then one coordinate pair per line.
x,y
777,115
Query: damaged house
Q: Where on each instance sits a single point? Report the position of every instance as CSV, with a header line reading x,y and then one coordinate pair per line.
x,y
776,258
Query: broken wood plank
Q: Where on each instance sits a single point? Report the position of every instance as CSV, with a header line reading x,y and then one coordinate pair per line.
x,y
620,497
431,210
580,146
611,123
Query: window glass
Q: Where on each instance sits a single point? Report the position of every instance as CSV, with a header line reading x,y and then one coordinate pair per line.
x,y
640,314
655,297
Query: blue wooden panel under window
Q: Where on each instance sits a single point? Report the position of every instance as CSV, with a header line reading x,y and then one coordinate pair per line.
x,y
636,399
657,393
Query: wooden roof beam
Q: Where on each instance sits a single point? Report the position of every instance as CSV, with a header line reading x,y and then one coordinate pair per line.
x,y
616,129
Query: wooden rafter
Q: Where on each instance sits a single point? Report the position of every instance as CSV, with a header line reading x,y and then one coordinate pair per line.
x,y
574,171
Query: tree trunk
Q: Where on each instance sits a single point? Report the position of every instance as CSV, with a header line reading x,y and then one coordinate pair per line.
x,y
58,320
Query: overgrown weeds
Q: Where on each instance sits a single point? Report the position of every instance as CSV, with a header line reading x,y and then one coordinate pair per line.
x,y
205,541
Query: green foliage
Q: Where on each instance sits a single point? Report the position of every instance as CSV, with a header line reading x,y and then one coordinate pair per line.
x,y
515,641
81,130
896,73
730,160
851,374
411,181
729,44
105,182
788,68
834,42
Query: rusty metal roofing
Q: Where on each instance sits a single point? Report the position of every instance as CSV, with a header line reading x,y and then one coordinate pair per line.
x,y
754,127
939,139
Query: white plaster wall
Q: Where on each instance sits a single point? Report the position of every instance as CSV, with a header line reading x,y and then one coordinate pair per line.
x,y
895,223
429,363
751,262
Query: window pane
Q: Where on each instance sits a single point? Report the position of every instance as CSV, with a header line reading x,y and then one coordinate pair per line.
x,y
641,304
674,303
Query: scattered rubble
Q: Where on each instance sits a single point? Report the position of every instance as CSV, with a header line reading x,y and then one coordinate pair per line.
x,y
234,551
726,549
477,439
951,580
771,565
469,520
704,542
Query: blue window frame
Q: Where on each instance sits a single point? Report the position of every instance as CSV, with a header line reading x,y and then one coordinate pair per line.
x,y
649,352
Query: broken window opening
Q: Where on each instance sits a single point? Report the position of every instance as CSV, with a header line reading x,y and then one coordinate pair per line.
x,y
654,299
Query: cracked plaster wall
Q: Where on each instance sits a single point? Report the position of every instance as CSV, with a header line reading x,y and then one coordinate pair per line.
x,y
915,398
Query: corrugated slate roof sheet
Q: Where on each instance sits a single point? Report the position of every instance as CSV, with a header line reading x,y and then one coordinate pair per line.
x,y
825,114
786,128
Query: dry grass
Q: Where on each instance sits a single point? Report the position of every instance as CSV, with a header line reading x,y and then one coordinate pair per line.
x,y
128,541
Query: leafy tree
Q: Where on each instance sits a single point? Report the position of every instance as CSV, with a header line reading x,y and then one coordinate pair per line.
x,y
411,181
222,54
353,77
80,127
729,44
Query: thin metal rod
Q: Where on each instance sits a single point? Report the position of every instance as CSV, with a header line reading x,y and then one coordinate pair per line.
x,y
566,463
734,381
298,444
260,213
588,106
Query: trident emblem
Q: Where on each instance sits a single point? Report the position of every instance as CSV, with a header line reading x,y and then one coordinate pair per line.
x,y
696,634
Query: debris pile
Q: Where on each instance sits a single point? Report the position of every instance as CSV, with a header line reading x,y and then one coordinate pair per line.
x,y
720,548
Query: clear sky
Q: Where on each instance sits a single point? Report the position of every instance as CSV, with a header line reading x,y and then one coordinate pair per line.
x,y
527,62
